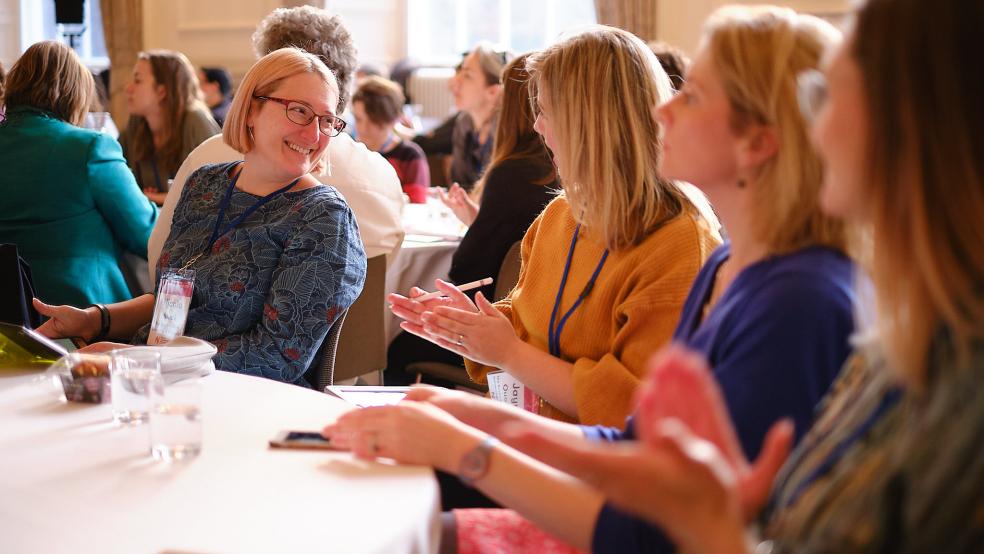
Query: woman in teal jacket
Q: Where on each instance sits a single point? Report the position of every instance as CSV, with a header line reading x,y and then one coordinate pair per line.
x,y
70,203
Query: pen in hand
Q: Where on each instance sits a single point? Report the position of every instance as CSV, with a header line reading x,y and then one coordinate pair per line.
x,y
462,288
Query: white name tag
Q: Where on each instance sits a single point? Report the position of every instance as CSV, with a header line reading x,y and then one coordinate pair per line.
x,y
506,388
171,307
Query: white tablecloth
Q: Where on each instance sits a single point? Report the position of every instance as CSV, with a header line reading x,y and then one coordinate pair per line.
x,y
72,481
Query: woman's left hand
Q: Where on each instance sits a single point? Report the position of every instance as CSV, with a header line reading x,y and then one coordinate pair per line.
x,y
409,432
485,336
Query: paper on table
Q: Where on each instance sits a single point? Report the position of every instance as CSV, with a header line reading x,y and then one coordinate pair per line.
x,y
425,238
364,397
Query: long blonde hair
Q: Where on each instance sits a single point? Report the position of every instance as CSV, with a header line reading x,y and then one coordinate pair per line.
x,y
925,175
602,86
757,53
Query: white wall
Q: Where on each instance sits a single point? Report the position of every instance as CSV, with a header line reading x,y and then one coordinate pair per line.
x,y
213,32
9,32
377,26
679,21
217,32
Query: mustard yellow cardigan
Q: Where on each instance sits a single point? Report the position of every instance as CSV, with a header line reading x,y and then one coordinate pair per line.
x,y
630,313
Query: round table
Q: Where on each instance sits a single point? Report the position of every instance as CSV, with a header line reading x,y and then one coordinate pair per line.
x,y
72,481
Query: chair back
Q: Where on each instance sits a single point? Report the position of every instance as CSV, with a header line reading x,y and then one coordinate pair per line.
x,y
362,343
319,373
509,271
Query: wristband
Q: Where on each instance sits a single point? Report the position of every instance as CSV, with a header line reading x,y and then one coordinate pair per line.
x,y
104,321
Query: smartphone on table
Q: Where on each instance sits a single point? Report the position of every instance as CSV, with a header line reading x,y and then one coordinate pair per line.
x,y
302,440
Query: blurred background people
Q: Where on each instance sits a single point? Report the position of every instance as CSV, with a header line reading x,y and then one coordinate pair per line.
x,y
167,119
366,180
476,88
674,62
378,106
216,86
70,203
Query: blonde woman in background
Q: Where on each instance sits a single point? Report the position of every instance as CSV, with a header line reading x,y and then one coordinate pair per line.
x,y
168,119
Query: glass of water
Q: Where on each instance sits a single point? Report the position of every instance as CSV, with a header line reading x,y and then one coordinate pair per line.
x,y
132,372
175,420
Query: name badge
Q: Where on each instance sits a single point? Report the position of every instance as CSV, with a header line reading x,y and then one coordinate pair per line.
x,y
172,305
506,388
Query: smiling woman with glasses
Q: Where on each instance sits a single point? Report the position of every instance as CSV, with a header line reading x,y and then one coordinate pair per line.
x,y
276,255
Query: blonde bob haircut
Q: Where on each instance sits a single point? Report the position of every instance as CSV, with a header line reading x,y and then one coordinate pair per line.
x,y
758,52
50,76
602,87
261,80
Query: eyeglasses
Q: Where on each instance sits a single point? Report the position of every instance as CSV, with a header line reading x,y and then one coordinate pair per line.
x,y
811,92
302,114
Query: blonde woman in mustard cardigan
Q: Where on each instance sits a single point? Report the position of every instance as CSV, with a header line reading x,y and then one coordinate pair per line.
x,y
607,265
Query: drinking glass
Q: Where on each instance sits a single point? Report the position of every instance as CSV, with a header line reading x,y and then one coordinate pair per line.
x,y
132,372
175,420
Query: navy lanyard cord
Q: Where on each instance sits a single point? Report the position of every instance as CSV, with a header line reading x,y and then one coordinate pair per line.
x,y
553,334
242,217
157,175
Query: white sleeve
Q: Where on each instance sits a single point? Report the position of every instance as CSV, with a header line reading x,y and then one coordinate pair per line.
x,y
372,190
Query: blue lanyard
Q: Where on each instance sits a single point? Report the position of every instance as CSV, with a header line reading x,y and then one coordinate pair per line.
x,y
157,175
553,334
216,233
890,399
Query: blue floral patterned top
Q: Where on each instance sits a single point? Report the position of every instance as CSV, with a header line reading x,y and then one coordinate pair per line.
x,y
268,290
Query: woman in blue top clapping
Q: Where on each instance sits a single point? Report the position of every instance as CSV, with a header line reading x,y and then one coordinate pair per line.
x,y
277,256
70,203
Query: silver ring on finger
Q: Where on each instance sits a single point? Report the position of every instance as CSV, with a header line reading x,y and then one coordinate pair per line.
x,y
461,339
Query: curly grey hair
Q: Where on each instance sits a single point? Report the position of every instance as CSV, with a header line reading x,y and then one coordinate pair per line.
x,y
316,31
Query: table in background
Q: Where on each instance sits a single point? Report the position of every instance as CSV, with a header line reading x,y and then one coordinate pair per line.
x,y
72,481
